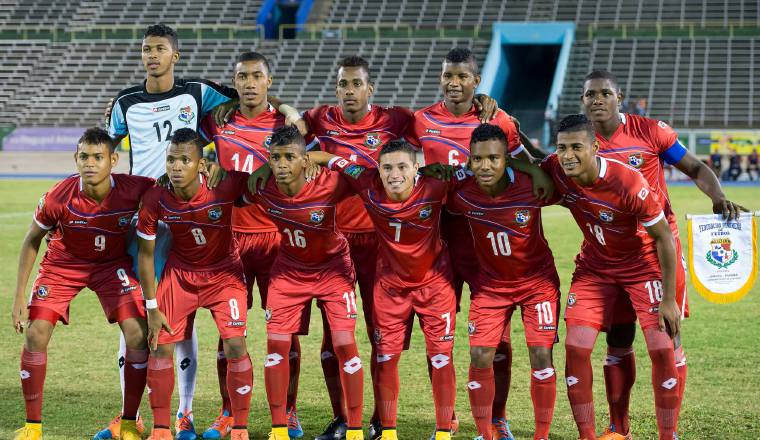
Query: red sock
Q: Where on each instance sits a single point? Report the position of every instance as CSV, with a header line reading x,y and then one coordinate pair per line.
x,y
375,390
579,377
276,371
664,380
33,368
221,372
682,369
502,376
160,389
240,385
352,381
480,388
619,377
135,377
294,359
444,389
543,393
388,385
331,372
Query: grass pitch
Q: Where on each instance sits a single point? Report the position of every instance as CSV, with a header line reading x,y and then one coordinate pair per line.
x,y
82,387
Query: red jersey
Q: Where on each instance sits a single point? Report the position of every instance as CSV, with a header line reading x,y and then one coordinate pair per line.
x,y
411,250
612,213
445,138
83,230
647,145
506,231
242,144
309,237
360,143
201,227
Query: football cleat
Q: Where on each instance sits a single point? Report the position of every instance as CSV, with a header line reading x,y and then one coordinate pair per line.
x,y
294,425
30,431
280,433
335,430
610,434
375,430
239,434
220,428
128,430
160,434
501,429
113,430
184,428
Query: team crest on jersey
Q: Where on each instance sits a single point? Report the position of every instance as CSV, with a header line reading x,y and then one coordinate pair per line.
x,y
471,329
606,216
354,170
186,114
124,221
372,141
42,292
570,299
317,216
635,160
425,212
522,217
267,142
721,255
215,213
267,314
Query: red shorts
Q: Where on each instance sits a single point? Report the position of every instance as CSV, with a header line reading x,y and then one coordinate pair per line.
x,y
594,299
491,311
434,304
257,251
363,247
291,291
114,283
181,292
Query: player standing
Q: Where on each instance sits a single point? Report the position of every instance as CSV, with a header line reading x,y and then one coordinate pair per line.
x,y
86,218
203,270
443,132
647,145
628,254
516,269
242,144
150,113
313,263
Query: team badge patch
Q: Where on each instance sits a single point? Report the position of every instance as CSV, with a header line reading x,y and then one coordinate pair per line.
x,y
635,160
124,221
721,255
606,216
522,217
317,216
372,141
354,170
425,212
186,114
215,213
570,299
471,329
42,292
267,314
267,142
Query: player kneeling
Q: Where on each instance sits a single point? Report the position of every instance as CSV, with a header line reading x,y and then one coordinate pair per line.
x,y
203,270
86,218
516,269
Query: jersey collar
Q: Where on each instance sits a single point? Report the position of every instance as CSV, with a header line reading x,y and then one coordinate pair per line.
x,y
622,118
81,183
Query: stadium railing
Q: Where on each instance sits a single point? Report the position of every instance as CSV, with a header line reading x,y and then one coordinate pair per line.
x,y
130,32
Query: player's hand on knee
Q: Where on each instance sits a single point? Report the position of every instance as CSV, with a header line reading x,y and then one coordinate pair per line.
x,y
670,318
156,322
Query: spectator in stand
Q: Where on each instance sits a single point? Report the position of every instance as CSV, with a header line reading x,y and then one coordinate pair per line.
x,y
716,162
734,166
753,169
641,107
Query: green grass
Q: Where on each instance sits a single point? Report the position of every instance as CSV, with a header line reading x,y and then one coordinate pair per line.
x,y
82,388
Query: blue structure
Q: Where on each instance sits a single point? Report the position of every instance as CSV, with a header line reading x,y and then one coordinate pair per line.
x,y
525,70
270,15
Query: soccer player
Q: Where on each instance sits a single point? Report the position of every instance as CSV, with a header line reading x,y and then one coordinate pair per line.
x,y
150,113
203,270
313,263
628,255
647,145
242,144
516,269
443,132
86,220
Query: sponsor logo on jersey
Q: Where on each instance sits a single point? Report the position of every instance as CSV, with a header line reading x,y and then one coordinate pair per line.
x,y
635,160
372,141
425,212
186,114
228,131
215,213
42,292
522,217
471,329
333,132
606,216
274,211
432,131
476,213
268,314
77,222
172,217
571,299
161,108
317,216
354,170
124,221
721,255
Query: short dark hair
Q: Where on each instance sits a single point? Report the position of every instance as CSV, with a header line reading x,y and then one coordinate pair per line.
x,y
287,135
463,55
487,132
397,145
577,122
188,135
355,61
164,31
97,136
603,74
254,56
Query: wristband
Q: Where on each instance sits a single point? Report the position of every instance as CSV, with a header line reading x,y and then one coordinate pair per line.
x,y
151,304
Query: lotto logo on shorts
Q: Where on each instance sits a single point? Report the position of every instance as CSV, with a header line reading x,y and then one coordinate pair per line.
x,y
236,324
570,299
42,292
471,329
267,314
128,289
447,338
547,327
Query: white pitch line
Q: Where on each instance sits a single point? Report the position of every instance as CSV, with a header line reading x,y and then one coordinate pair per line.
x,y
16,214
